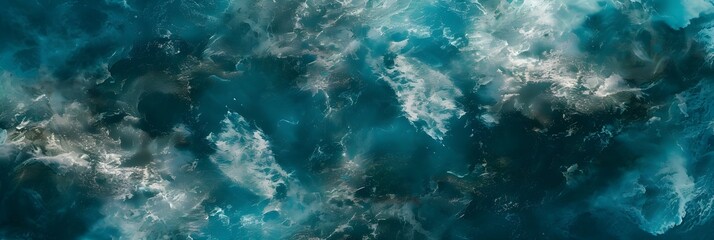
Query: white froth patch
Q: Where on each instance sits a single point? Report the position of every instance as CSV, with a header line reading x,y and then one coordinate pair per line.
x,y
612,85
705,37
244,155
94,160
679,13
170,207
532,42
571,173
681,186
3,136
61,164
426,95
666,206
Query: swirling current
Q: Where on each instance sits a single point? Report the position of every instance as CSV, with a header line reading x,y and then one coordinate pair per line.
x,y
357,119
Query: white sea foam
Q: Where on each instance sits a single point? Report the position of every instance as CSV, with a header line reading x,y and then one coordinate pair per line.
x,y
3,136
612,85
679,191
656,195
426,95
244,155
679,13
705,37
534,41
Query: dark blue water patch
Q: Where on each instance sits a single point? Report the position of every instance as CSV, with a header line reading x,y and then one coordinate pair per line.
x,y
640,53
159,54
85,57
160,112
27,58
38,204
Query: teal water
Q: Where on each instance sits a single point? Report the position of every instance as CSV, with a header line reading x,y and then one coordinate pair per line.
x,y
356,119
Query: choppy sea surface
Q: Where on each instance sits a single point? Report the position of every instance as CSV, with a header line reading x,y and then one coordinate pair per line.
x,y
357,119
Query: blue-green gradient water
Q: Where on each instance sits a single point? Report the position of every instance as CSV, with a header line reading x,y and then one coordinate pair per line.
x,y
356,119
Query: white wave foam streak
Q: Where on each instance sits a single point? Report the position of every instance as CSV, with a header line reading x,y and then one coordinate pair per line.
x,y
655,196
141,202
3,136
170,211
705,37
333,41
675,176
244,155
66,163
154,201
93,161
668,189
695,112
533,41
426,95
678,14
612,85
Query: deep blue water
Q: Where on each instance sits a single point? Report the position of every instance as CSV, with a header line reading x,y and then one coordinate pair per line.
x,y
357,119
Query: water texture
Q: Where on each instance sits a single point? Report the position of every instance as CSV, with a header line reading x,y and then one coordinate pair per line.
x,y
357,119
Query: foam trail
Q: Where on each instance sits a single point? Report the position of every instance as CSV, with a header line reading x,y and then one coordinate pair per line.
x,y
656,198
427,96
678,14
244,155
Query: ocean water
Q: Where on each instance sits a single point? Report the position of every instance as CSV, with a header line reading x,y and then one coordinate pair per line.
x,y
357,119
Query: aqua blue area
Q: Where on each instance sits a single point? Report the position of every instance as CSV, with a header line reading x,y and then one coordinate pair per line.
x,y
363,119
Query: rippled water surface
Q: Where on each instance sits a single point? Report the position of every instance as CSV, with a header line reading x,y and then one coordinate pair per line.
x,y
357,119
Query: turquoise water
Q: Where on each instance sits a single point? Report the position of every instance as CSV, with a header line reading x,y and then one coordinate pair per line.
x,y
356,119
